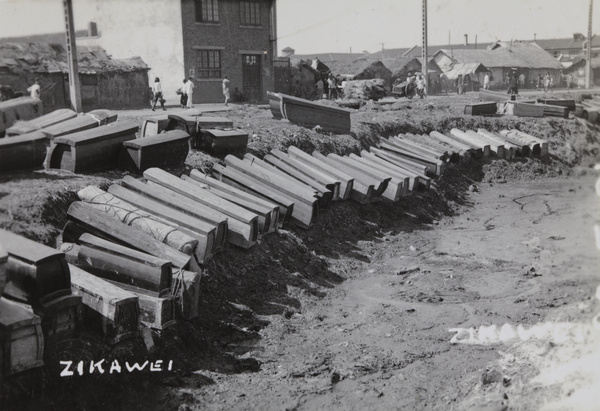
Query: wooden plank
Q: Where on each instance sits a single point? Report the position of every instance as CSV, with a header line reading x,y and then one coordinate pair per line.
x,y
166,150
98,223
249,184
268,213
309,172
464,138
155,312
323,194
242,225
205,232
24,152
36,273
346,181
166,203
398,183
21,339
185,288
141,220
111,310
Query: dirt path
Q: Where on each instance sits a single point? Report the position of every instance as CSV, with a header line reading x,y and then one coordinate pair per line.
x,y
519,254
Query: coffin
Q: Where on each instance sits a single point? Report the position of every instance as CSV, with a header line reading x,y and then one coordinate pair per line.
x,y
481,109
192,125
522,109
21,339
154,125
36,273
24,152
103,117
311,114
3,268
488,95
73,125
55,117
91,150
167,150
222,141
21,108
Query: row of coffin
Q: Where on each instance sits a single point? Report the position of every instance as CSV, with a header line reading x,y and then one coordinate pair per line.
x,y
49,295
96,141
132,253
500,103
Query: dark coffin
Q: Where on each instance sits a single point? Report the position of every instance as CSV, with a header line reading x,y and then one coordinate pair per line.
x,y
24,152
311,114
275,105
167,150
481,109
92,150
21,339
568,103
36,273
55,117
103,117
192,125
222,141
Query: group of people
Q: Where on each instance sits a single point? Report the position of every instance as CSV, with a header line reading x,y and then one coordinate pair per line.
x,y
462,83
333,90
186,93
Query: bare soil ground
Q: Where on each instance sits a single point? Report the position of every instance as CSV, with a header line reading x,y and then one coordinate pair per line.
x,y
355,313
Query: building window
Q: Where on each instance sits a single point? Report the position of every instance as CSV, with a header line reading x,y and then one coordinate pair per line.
x,y
250,13
208,63
207,11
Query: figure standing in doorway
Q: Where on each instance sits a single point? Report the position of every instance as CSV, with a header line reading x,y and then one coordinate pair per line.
x,y
226,89
34,89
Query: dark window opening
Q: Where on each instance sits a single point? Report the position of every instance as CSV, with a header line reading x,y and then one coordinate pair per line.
x,y
250,13
208,63
207,11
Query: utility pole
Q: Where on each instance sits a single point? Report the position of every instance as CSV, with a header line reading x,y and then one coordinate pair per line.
x,y
382,57
588,52
424,47
74,90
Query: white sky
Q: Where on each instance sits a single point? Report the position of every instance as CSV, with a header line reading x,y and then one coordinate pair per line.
x,y
315,26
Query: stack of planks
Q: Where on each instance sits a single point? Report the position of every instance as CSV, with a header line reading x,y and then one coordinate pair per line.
x,y
309,113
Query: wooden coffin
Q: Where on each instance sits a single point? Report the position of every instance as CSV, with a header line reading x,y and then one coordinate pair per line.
x,y
155,312
55,117
108,309
21,339
154,125
36,273
242,224
275,104
185,288
91,150
61,317
93,221
21,108
432,166
555,111
488,95
198,221
193,125
103,117
568,103
381,180
167,150
3,268
398,185
222,141
267,212
310,114
481,109
413,178
23,152
475,144
416,171
519,109
73,125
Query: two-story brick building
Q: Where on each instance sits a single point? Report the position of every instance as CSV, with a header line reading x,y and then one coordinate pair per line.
x,y
202,39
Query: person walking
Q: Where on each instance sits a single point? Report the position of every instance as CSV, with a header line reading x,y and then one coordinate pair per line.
x,y
182,92
34,89
157,94
189,88
226,89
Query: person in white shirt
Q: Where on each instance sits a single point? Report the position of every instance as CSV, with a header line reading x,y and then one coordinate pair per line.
x,y
331,86
226,89
157,94
189,87
486,81
34,90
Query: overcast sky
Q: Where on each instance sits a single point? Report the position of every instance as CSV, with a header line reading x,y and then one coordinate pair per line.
x,y
315,26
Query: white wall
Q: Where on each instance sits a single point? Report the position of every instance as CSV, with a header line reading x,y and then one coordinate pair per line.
x,y
150,29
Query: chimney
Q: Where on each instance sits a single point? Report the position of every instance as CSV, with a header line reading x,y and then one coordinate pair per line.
x,y
466,39
92,29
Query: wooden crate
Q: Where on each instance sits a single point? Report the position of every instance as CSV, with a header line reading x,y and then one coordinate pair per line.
x,y
167,150
21,339
24,152
92,150
222,141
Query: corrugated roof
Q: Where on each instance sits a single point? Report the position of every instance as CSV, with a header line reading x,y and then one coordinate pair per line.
x,y
52,58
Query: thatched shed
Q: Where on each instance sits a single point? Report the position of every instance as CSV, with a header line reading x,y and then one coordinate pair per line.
x,y
105,82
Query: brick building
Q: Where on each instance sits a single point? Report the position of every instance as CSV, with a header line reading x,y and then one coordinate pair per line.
x,y
202,39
